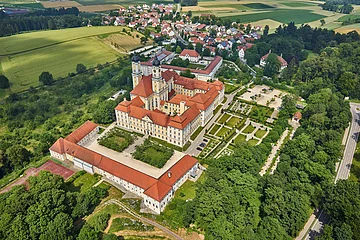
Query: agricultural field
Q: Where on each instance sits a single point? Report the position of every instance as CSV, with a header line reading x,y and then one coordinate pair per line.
x,y
24,57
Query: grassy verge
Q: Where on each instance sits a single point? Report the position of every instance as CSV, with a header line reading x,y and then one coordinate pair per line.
x,y
196,133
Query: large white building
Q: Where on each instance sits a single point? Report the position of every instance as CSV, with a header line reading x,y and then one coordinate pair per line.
x,y
207,74
155,191
166,105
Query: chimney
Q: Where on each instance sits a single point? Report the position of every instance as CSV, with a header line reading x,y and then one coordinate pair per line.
x,y
182,107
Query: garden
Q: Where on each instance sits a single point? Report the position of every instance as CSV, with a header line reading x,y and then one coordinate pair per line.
x,y
117,140
152,153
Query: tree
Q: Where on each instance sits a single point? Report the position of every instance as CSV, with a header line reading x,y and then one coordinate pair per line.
x,y
178,49
17,156
46,78
80,68
4,82
266,30
198,47
272,66
322,21
87,232
187,73
168,47
207,52
144,40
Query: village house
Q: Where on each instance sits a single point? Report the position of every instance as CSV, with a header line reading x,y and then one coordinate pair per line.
x,y
192,55
281,60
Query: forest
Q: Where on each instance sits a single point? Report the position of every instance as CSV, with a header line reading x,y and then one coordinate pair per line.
x,y
43,19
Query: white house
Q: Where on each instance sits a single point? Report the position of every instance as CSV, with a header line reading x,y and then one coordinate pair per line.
x,y
192,55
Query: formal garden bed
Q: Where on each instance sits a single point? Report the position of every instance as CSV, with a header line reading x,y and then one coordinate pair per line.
x,y
249,129
117,140
214,129
222,131
224,118
239,139
233,121
260,133
152,153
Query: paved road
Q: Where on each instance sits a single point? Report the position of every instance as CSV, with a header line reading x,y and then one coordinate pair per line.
x,y
318,219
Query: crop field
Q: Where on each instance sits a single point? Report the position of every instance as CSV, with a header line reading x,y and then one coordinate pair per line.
x,y
349,28
24,57
298,4
122,2
298,16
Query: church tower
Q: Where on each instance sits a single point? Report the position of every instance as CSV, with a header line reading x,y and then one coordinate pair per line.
x,y
156,75
136,70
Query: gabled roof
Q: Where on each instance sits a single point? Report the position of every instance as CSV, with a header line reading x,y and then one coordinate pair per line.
x,y
158,191
81,132
144,88
191,53
58,146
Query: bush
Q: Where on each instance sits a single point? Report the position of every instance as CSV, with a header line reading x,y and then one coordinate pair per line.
x,y
99,222
4,82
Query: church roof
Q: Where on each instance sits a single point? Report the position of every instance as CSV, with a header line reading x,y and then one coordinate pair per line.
x,y
144,88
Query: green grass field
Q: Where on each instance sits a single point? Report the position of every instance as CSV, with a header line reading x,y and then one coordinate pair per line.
x,y
239,139
224,118
229,88
249,129
214,129
252,142
222,131
298,16
298,4
257,6
123,2
260,133
24,57
233,121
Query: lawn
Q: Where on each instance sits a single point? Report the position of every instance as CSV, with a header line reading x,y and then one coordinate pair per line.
x,y
252,142
116,140
214,129
239,139
260,133
230,88
154,154
224,118
260,113
186,191
196,133
26,56
124,2
298,16
222,131
249,129
83,183
233,121
119,224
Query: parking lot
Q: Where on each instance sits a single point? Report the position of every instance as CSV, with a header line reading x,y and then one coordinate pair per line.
x,y
264,95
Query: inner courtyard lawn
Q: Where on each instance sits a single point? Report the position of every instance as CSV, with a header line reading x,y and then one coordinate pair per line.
x,y
116,140
152,153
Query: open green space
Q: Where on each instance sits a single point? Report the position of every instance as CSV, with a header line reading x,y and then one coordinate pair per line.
x,y
116,140
253,142
240,7
260,133
119,224
222,131
239,139
260,113
196,133
154,154
22,5
298,16
257,6
298,4
348,17
214,129
224,118
30,41
249,129
229,88
233,121
196,66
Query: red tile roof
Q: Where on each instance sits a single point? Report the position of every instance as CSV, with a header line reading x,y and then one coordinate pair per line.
x,y
191,53
281,60
207,70
298,115
144,88
81,132
154,188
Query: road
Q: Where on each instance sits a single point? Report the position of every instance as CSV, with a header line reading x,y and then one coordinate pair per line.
x,y
318,219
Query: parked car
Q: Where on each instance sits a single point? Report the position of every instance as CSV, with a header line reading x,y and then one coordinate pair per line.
x,y
202,145
198,148
205,140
